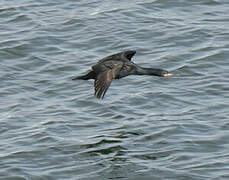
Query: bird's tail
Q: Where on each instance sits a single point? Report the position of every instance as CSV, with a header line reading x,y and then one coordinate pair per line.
x,y
89,75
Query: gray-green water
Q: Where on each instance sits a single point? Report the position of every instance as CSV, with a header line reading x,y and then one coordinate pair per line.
x,y
52,128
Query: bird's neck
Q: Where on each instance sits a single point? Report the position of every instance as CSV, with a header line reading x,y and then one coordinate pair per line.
x,y
149,71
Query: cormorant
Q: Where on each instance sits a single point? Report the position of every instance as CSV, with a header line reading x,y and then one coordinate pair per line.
x,y
116,66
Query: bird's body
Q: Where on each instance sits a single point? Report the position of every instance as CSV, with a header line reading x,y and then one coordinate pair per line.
x,y
116,66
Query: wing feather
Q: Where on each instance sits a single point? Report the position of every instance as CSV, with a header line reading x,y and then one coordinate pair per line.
x,y
102,83
106,72
121,56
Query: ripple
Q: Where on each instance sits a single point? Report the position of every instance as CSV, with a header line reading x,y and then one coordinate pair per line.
x,y
146,127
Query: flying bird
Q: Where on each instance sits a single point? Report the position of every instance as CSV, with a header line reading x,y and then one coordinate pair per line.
x,y
116,66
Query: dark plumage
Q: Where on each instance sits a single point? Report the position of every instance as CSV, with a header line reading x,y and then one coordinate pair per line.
x,y
116,66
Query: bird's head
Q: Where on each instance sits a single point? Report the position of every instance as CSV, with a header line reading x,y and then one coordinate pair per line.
x,y
164,73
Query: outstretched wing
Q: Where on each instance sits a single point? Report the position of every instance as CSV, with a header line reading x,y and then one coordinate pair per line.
x,y
102,83
105,77
124,56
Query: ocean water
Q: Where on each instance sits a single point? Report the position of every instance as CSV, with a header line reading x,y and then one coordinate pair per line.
x,y
53,128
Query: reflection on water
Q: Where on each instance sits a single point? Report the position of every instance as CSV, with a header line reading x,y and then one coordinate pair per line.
x,y
146,127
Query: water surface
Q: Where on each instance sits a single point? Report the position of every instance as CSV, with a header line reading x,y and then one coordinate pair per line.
x,y
146,127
